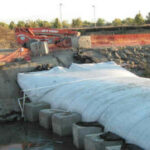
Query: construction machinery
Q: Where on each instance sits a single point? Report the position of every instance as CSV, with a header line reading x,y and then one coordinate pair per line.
x,y
56,38
39,41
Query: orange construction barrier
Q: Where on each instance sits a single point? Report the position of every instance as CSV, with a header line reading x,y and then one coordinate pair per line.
x,y
120,40
23,53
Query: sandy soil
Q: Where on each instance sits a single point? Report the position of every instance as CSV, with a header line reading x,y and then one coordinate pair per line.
x,y
7,39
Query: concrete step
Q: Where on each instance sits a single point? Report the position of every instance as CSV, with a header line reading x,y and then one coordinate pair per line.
x,y
45,117
80,131
62,122
31,110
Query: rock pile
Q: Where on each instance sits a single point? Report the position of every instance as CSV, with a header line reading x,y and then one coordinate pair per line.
x,y
135,59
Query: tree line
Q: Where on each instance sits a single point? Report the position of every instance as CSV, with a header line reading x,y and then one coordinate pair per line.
x,y
77,23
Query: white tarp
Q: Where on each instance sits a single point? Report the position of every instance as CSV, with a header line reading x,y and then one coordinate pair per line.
x,y
103,92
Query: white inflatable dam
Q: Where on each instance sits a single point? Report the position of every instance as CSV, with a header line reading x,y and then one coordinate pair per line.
x,y
103,92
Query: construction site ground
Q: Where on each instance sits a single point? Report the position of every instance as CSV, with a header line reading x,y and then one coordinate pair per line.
x,y
135,58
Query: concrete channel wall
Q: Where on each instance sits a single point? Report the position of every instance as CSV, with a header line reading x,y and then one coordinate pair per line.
x,y
10,91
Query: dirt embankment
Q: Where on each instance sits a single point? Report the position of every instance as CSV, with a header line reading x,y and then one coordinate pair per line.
x,y
7,39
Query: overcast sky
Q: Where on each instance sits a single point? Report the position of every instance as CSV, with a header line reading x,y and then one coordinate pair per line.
x,y
49,9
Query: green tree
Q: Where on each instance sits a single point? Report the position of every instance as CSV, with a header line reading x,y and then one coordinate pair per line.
x,y
108,24
86,24
65,24
12,25
117,22
57,23
128,21
148,18
39,22
46,24
4,24
21,24
139,20
31,23
27,25
77,23
100,22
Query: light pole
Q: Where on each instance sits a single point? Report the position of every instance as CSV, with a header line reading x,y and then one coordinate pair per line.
x,y
60,10
94,15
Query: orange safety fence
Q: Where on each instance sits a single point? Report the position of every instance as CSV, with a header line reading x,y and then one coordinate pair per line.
x,y
97,41
19,53
120,40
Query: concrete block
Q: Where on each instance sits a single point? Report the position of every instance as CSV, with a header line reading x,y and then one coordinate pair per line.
x,y
39,48
79,133
44,48
81,42
62,123
129,146
94,142
118,147
31,110
45,117
34,48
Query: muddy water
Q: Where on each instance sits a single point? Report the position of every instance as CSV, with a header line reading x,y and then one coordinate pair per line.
x,y
30,136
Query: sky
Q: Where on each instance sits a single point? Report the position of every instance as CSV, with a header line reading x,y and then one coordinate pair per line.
x,y
49,9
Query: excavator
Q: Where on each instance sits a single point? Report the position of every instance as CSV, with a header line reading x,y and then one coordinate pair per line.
x,y
56,39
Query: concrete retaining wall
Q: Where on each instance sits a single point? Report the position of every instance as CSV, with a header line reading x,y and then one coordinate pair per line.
x,y
10,91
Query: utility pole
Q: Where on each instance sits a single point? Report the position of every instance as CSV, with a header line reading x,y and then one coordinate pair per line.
x,y
94,18
60,11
